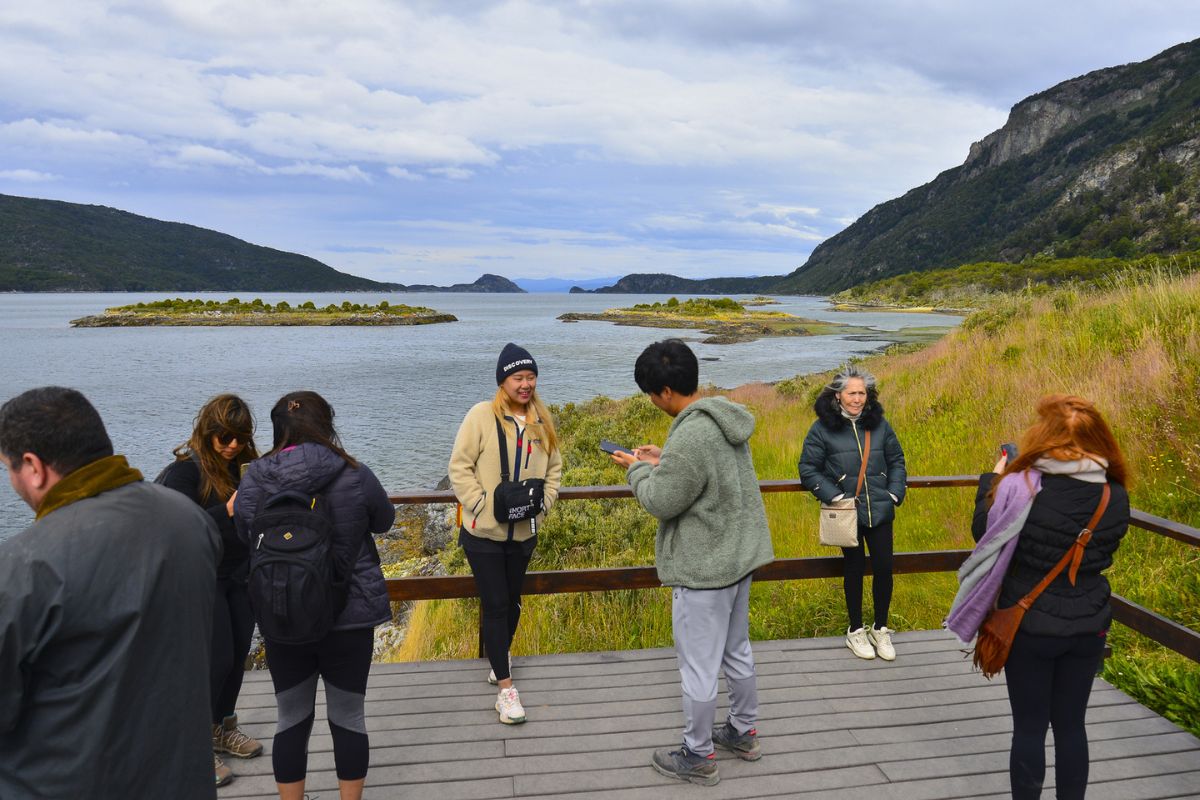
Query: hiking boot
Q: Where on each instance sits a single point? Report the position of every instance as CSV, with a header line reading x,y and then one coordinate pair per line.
x,y
881,638
492,673
743,745
224,774
229,738
508,704
684,765
858,643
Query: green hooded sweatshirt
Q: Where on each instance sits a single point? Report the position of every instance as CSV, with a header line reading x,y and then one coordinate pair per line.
x,y
712,529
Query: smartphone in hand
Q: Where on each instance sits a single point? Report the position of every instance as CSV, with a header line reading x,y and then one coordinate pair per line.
x,y
1009,449
613,447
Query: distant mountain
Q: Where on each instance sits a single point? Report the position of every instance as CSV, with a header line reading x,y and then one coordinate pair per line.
x,y
52,246
560,284
1104,165
661,283
485,283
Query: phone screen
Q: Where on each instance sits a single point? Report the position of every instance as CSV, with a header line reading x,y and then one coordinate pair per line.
x,y
613,447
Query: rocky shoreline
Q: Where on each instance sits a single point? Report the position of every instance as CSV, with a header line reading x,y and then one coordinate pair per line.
x,y
129,319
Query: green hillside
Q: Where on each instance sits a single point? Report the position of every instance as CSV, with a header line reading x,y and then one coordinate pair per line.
x,y
1104,165
1134,349
48,245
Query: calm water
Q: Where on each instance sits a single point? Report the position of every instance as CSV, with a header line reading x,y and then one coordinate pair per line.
x,y
399,392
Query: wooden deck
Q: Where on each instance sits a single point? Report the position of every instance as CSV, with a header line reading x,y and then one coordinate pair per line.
x,y
832,726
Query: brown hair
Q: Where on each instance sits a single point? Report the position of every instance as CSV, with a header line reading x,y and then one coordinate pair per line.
x,y
302,417
1068,428
220,416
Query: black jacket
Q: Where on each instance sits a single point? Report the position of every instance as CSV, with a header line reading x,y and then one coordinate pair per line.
x,y
1059,512
831,460
184,476
359,506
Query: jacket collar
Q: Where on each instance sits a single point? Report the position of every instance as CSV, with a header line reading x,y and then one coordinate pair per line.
x,y
88,481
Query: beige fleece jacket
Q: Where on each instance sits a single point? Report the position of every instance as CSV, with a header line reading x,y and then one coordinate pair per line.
x,y
475,471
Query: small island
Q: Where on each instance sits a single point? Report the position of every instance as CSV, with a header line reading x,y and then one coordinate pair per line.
x,y
726,321
234,312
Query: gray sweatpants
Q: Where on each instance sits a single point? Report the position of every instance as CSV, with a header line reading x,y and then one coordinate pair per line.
x,y
712,630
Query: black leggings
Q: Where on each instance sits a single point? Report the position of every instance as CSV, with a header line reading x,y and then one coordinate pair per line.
x,y
878,541
343,660
498,578
233,625
1049,681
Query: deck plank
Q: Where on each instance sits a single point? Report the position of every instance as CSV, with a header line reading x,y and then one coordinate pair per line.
x,y
923,727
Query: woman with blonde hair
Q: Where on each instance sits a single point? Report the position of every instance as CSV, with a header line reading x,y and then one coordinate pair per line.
x,y
509,438
1031,513
207,468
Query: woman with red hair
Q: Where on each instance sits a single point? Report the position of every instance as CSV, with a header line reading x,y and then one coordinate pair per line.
x,y
1068,464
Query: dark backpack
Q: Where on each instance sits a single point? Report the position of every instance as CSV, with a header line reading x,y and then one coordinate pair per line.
x,y
297,587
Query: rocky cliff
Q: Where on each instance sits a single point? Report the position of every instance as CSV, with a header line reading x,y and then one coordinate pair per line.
x,y
1107,164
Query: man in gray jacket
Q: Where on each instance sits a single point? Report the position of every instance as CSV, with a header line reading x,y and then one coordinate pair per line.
x,y
105,617
712,534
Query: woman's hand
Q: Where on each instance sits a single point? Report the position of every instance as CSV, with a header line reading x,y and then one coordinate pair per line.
x,y
1001,464
648,452
624,459
229,503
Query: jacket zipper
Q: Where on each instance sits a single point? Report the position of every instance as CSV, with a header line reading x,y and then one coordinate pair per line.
x,y
866,484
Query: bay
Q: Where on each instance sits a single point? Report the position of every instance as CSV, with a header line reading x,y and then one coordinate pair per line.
x,y
399,392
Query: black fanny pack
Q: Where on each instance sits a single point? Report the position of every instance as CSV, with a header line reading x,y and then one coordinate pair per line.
x,y
514,501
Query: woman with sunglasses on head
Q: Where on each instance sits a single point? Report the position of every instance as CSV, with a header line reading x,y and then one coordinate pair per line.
x,y
498,550
207,468
307,458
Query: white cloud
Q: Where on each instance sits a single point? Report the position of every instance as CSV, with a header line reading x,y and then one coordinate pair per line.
x,y
616,134
27,176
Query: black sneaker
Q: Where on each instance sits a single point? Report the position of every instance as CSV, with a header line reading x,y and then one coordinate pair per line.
x,y
743,745
684,765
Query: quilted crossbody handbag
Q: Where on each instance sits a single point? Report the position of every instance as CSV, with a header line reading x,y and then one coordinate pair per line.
x,y
515,500
839,519
995,637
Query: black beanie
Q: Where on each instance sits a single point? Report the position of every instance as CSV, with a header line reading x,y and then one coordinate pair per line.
x,y
513,359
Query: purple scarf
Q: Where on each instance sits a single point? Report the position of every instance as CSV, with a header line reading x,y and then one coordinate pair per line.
x,y
983,572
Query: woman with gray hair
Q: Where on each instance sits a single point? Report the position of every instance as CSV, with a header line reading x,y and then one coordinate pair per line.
x,y
837,443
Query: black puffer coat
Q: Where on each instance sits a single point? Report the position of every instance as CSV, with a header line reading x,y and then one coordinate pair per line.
x,y
359,506
1059,512
832,457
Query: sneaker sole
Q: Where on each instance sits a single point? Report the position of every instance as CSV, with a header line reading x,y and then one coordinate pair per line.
x,y
510,720
744,755
864,658
228,780
702,780
255,754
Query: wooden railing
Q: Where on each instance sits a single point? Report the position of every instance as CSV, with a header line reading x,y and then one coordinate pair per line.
x,y
1166,632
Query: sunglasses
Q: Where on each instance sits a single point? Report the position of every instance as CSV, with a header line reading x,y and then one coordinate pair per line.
x,y
225,438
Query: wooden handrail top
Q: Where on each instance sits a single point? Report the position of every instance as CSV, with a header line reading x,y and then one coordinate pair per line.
x,y
603,492
444,587
1160,525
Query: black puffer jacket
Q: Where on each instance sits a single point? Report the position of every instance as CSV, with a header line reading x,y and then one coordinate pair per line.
x,y
1059,512
831,460
359,506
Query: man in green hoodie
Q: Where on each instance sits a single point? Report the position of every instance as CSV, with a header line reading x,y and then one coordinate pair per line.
x,y
712,534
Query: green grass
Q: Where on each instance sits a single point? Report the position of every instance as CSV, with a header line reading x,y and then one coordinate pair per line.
x,y
987,283
1133,348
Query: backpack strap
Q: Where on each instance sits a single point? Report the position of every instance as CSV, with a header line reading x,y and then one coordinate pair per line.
x,y
503,450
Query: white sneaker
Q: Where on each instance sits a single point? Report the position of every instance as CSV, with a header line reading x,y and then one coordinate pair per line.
x,y
492,673
858,644
508,704
882,639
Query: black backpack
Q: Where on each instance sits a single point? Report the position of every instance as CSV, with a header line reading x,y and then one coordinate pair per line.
x,y
297,587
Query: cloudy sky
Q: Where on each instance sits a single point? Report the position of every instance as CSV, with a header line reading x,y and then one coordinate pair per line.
x,y
430,141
